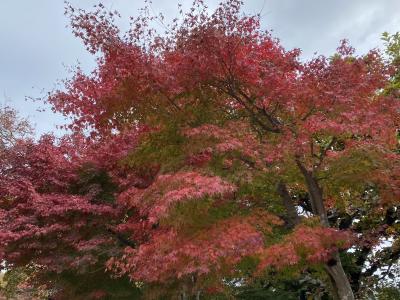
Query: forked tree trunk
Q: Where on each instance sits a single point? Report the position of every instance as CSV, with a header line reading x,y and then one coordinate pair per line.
x,y
340,283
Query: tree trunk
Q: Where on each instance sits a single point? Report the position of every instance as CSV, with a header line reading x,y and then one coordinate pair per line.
x,y
184,293
292,218
184,296
340,283
315,192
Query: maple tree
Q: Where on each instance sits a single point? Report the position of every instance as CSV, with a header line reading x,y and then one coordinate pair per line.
x,y
203,145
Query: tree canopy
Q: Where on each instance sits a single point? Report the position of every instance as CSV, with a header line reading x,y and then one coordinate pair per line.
x,y
207,161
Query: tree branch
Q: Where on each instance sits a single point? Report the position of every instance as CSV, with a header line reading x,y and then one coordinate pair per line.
x,y
292,217
122,239
315,192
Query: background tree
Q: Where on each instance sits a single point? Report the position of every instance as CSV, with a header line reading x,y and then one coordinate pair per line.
x,y
12,127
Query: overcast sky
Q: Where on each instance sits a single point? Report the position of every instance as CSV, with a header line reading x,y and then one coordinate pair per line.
x,y
36,47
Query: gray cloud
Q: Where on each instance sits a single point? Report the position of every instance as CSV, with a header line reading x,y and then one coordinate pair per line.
x,y
318,25
35,43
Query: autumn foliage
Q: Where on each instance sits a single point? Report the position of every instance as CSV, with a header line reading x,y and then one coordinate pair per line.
x,y
190,152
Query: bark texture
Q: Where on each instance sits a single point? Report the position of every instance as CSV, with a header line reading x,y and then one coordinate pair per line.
x,y
340,283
